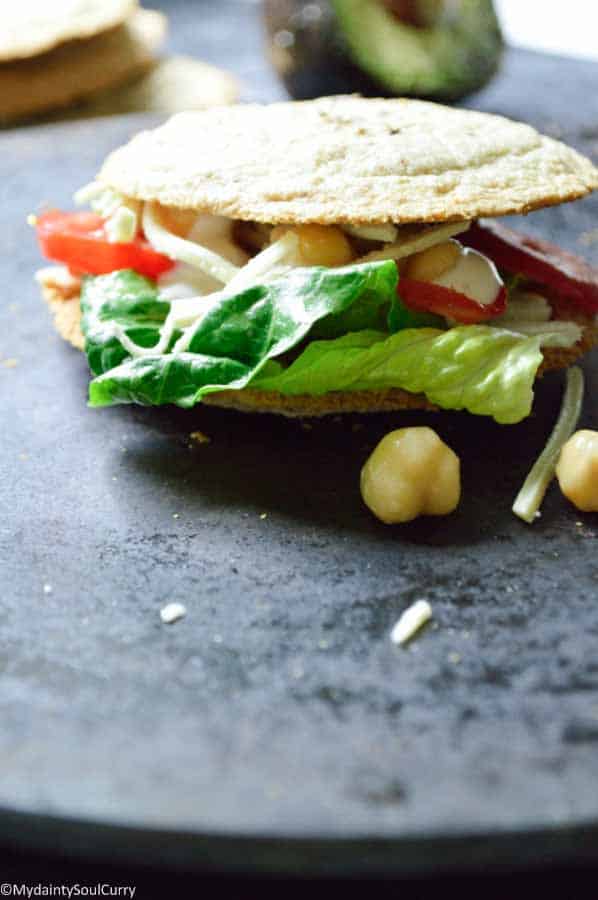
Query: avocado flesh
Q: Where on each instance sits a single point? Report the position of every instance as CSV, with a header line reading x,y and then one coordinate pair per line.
x,y
452,58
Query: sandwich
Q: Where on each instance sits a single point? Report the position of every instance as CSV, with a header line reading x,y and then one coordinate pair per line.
x,y
337,255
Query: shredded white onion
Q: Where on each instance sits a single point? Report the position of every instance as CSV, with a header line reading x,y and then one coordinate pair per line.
x,y
186,251
552,334
529,498
266,265
186,312
383,233
185,281
282,253
216,234
121,227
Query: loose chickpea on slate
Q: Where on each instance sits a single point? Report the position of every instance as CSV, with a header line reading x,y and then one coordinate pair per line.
x,y
577,470
412,472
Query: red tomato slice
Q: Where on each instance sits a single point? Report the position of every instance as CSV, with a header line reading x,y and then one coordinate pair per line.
x,y
569,276
424,296
79,240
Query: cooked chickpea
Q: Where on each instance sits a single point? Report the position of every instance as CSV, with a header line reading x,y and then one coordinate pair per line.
x,y
179,221
319,245
577,470
412,472
433,262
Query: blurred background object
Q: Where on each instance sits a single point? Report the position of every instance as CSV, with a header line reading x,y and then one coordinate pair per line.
x,y
173,84
439,49
80,58
51,59
548,25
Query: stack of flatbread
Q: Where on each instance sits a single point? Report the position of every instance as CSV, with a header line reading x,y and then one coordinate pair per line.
x,y
98,52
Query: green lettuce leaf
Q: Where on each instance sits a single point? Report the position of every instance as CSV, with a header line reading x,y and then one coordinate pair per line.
x,y
230,343
126,299
487,371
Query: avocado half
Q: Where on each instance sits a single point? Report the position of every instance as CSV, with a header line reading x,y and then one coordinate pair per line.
x,y
436,49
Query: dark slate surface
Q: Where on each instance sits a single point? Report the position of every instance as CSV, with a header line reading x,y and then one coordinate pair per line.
x,y
276,726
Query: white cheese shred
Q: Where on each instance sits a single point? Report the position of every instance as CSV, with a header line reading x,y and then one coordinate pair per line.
x,y
121,227
415,242
172,612
552,334
186,251
529,499
386,234
414,618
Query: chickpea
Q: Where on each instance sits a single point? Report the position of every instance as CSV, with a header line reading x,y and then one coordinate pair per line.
x,y
433,262
411,472
319,245
179,221
577,470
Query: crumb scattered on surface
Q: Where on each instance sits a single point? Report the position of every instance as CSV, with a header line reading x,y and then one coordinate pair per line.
x,y
454,658
175,515
588,238
9,363
198,437
263,515
410,622
172,612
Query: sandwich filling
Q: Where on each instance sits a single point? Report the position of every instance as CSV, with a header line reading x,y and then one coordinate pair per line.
x,y
177,305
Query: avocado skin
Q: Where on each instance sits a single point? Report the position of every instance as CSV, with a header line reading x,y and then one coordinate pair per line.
x,y
311,53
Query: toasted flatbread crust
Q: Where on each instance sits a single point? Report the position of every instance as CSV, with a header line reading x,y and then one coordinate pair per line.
x,y
62,296
349,160
79,69
30,27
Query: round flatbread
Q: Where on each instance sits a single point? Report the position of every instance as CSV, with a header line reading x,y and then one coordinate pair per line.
x,y
349,160
79,69
31,27
61,292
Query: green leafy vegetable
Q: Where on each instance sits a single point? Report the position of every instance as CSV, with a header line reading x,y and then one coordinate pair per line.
x,y
485,370
400,317
124,299
228,346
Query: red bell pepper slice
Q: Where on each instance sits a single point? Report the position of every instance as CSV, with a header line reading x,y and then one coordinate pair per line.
x,y
425,296
79,240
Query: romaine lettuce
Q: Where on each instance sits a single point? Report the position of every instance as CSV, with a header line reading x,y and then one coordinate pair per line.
x,y
241,338
228,345
487,371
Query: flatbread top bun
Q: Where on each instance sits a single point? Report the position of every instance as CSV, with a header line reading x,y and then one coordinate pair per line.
x,y
31,27
349,160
